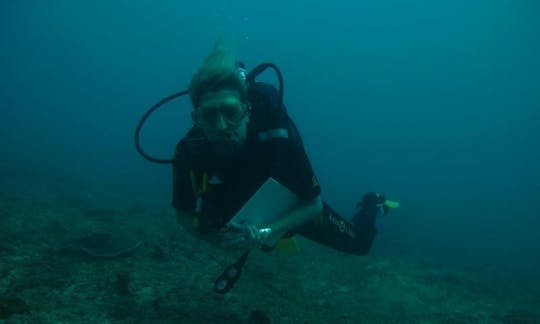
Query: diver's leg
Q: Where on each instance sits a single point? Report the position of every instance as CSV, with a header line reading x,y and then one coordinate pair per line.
x,y
332,230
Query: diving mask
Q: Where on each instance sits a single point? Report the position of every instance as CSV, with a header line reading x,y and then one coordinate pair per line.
x,y
220,115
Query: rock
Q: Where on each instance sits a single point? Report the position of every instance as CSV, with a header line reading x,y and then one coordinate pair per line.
x,y
103,245
12,305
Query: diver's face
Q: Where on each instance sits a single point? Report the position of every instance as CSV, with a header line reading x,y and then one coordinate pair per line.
x,y
223,117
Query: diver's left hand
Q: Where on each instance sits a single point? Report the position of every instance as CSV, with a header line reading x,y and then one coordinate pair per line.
x,y
237,236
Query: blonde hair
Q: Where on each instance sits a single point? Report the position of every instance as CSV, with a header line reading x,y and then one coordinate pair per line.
x,y
218,72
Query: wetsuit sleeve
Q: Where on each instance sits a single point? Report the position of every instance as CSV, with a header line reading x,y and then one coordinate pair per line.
x,y
183,196
292,167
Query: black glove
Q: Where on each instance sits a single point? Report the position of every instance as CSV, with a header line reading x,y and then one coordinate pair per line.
x,y
371,206
373,202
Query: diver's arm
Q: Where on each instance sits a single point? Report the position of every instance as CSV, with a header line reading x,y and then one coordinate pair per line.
x,y
297,216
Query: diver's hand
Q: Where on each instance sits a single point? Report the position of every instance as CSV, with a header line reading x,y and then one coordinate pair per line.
x,y
259,235
233,238
237,236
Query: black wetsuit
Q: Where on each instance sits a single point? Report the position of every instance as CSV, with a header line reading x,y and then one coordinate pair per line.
x,y
216,189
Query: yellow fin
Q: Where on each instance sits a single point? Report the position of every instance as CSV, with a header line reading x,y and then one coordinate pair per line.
x,y
288,245
391,204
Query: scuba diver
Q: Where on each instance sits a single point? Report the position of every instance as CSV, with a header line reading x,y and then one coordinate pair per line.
x,y
242,136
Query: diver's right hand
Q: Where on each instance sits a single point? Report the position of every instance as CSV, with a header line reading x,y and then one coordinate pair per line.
x,y
233,238
239,237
